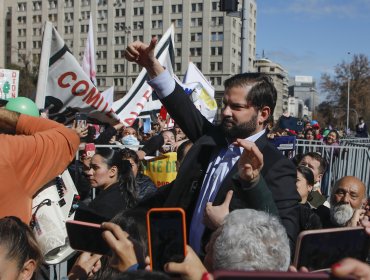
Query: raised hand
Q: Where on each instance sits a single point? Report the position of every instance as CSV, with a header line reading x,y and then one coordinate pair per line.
x,y
250,162
143,55
215,215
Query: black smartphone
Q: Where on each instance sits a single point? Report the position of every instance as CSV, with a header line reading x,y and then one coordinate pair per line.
x,y
166,236
87,237
319,249
81,119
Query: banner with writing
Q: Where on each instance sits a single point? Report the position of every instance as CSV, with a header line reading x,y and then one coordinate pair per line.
x,y
71,86
162,170
8,83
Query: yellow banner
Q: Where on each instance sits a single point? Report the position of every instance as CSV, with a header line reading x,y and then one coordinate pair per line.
x,y
162,170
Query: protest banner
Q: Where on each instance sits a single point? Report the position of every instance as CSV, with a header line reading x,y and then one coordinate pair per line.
x,y
9,80
162,169
69,85
139,98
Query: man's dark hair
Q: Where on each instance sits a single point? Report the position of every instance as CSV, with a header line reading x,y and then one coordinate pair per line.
x,y
319,158
263,92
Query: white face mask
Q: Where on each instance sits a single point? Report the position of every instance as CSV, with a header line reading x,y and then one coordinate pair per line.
x,y
130,140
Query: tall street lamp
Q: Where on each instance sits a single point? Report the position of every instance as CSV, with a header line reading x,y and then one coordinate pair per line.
x,y
348,90
127,31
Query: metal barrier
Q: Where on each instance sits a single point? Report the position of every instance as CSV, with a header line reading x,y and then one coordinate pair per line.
x,y
351,158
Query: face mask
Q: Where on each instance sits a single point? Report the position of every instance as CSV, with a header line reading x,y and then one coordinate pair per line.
x,y
130,140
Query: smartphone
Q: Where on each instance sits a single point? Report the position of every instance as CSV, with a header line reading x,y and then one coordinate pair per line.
x,y
81,119
166,236
87,237
268,275
319,249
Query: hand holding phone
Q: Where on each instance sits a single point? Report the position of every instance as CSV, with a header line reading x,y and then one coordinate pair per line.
x,y
124,252
81,120
166,236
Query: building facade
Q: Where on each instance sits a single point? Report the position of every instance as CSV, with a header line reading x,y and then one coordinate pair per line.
x,y
304,88
280,78
203,34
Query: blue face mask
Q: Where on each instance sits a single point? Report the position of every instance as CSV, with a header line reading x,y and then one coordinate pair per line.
x,y
130,140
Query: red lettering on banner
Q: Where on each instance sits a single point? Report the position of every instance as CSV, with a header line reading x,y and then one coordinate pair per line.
x,y
61,82
147,94
101,100
140,105
92,98
14,74
129,121
76,92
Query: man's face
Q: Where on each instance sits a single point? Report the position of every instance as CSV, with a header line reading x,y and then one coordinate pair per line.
x,y
349,192
348,196
239,118
314,165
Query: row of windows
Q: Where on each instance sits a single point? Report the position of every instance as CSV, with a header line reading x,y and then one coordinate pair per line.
x,y
53,4
101,82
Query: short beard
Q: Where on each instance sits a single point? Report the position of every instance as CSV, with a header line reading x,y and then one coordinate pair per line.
x,y
340,214
242,130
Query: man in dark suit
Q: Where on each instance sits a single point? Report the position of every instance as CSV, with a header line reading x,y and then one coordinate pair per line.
x,y
212,166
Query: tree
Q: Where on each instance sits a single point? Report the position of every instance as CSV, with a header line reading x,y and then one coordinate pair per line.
x,y
28,75
357,72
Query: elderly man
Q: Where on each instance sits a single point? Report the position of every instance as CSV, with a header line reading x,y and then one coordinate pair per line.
x,y
33,151
348,201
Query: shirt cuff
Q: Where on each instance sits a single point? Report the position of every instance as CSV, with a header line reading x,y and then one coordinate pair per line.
x,y
133,267
163,84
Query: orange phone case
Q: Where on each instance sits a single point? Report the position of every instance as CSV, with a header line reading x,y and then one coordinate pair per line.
x,y
175,209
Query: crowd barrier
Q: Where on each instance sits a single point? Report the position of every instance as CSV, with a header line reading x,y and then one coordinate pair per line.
x,y
350,158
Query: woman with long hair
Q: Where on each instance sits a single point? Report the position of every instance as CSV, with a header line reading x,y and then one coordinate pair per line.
x,y
115,180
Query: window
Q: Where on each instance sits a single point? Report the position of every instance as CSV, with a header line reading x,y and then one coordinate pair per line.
x,y
68,29
22,32
101,68
138,25
177,66
101,82
178,37
178,51
101,54
157,10
138,11
119,53
36,5
22,7
118,82
195,51
120,12
84,28
102,41
102,27
157,23
195,37
176,8
68,3
215,6
23,20
119,68
36,44
53,4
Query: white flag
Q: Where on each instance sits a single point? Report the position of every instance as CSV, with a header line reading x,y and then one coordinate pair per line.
x,y
139,98
108,95
202,92
88,63
70,86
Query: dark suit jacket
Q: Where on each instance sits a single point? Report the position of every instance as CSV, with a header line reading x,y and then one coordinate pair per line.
x,y
278,172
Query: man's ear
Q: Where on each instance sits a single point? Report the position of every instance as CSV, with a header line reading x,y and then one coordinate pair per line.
x,y
319,178
264,114
28,269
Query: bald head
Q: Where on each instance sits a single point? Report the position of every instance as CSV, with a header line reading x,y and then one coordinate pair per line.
x,y
349,190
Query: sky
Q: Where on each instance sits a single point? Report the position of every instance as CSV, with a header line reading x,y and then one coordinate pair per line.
x,y
310,37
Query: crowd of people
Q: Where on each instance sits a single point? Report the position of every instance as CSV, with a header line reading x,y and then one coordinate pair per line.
x,y
245,202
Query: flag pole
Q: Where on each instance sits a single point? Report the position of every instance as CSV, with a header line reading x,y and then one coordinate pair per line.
x,y
44,65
